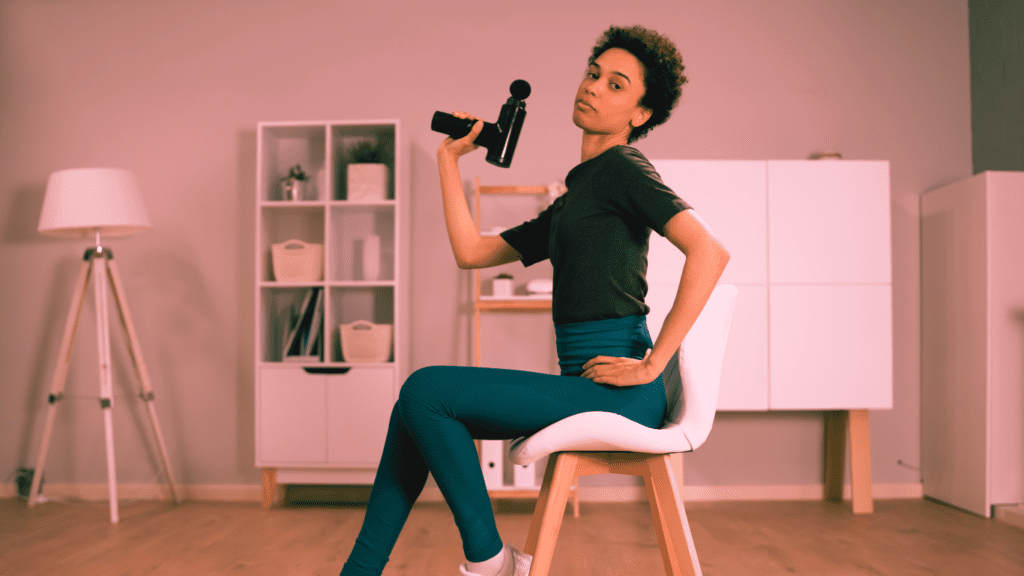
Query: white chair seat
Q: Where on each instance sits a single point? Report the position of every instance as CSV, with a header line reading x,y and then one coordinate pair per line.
x,y
598,432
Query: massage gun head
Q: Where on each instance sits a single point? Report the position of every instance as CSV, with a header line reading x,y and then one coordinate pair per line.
x,y
520,89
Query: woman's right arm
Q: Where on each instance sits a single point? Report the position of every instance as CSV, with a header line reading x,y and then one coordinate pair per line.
x,y
471,250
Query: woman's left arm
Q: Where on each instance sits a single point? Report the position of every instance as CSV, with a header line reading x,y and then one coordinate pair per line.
x,y
705,260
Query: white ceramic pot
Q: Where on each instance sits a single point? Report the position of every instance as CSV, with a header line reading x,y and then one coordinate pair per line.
x,y
368,182
502,287
291,189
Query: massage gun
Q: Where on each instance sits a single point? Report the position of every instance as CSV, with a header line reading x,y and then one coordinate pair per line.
x,y
499,138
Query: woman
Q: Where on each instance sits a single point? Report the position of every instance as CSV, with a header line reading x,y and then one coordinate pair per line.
x,y
596,236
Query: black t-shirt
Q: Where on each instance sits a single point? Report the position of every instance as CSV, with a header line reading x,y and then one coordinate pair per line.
x,y
596,236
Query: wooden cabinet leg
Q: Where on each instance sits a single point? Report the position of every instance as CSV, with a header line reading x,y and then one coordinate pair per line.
x,y
269,487
835,454
860,462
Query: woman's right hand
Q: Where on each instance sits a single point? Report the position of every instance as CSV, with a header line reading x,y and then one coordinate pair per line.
x,y
455,148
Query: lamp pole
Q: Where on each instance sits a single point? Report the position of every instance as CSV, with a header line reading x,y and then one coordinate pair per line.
x,y
99,260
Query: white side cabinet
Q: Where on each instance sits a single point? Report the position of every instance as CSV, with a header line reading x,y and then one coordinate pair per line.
x,y
326,257
810,248
972,342
811,255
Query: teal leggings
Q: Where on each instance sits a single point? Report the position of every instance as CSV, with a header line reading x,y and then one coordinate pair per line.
x,y
441,409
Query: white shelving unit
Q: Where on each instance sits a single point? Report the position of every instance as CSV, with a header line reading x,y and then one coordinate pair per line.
x,y
321,418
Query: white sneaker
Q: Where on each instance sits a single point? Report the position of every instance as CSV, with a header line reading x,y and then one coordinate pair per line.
x,y
520,565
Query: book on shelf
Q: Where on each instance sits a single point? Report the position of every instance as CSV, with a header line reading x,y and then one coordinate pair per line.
x,y
304,327
316,327
292,321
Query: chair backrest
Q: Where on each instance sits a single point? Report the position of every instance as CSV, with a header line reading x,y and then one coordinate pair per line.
x,y
692,377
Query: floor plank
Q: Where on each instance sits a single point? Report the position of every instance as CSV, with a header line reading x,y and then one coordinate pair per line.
x,y
902,537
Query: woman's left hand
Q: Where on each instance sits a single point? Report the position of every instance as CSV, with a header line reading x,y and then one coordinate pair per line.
x,y
615,371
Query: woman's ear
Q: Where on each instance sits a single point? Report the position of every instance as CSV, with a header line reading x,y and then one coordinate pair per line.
x,y
641,116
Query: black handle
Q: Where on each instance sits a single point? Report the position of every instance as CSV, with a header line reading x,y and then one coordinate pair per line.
x,y
326,369
456,127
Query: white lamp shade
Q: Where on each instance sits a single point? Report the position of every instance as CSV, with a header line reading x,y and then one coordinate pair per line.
x,y
83,201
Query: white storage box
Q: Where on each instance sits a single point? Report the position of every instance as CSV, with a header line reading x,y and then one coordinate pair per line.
x,y
363,341
297,261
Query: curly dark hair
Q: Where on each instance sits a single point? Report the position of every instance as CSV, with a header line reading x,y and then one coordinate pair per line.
x,y
663,70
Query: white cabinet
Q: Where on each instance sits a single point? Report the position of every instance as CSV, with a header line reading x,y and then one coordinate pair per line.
x,y
972,344
320,416
810,252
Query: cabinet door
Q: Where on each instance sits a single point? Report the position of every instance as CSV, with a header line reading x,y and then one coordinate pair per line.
x,y
729,195
359,409
828,221
831,347
292,417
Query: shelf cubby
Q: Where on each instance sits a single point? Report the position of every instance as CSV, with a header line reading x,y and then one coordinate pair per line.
x,y
284,146
280,223
351,228
279,304
344,138
352,303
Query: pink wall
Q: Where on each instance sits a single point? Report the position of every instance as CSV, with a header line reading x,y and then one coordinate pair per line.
x,y
173,90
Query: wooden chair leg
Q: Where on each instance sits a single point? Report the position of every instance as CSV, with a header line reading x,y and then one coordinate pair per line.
x,y
542,502
674,537
576,498
547,517
269,487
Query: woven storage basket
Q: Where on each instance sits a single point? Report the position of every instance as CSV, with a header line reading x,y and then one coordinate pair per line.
x,y
297,261
363,341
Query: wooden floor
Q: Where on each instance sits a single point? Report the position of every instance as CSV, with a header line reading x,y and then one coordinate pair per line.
x,y
902,538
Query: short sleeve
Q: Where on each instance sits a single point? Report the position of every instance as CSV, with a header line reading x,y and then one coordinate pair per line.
x,y
644,195
530,238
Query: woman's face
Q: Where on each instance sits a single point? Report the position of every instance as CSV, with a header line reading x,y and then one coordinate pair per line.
x,y
608,100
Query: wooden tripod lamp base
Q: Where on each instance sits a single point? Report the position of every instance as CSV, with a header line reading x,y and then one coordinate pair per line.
x,y
99,264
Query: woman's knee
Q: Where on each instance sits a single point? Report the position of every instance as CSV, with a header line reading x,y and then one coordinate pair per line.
x,y
420,389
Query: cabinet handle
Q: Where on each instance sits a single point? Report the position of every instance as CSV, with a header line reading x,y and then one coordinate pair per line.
x,y
326,369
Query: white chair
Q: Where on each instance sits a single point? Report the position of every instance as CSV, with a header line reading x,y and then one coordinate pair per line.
x,y
606,443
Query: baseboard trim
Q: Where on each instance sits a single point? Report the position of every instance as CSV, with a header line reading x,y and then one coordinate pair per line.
x,y
1012,514
254,492
89,492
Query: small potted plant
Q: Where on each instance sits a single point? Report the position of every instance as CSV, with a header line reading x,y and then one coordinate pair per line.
x,y
292,184
368,175
501,286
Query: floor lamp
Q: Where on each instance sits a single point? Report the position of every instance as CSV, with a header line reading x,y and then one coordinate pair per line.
x,y
84,203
